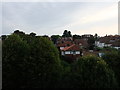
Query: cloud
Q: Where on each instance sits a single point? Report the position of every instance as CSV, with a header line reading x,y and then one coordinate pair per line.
x,y
53,18
100,15
97,20
61,0
37,15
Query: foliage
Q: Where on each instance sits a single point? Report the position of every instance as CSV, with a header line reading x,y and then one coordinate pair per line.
x,y
98,48
15,52
3,37
91,42
90,72
67,34
109,49
55,38
30,62
32,34
113,60
76,37
96,36
19,32
46,36
48,62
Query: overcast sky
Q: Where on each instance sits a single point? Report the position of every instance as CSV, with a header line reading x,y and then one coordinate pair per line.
x,y
49,18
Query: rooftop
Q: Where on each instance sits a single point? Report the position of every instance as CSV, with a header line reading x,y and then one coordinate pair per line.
x,y
73,47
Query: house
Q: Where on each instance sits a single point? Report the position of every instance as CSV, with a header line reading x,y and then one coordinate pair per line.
x,y
87,36
73,52
103,42
64,39
64,44
108,41
116,45
82,41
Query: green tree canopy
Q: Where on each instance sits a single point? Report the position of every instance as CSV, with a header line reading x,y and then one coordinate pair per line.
x,y
96,36
3,37
113,60
14,56
33,62
76,37
91,42
67,34
55,38
90,72
19,32
30,62
32,34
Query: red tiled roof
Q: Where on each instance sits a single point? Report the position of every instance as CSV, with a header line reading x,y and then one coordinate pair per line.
x,y
72,48
65,44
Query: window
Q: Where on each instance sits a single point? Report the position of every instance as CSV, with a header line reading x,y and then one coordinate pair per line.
x,y
67,52
71,52
77,52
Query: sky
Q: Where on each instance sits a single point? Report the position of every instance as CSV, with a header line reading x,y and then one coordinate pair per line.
x,y
52,18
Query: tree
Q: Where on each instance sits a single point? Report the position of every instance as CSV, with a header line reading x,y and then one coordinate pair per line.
x,y
14,55
32,34
48,62
67,34
76,37
96,36
30,62
113,60
19,32
55,38
91,42
3,37
90,72
46,36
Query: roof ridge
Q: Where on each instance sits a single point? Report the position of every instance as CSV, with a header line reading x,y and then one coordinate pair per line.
x,y
71,46
68,47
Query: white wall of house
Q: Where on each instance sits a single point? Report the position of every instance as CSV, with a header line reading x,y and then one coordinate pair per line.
x,y
67,52
98,44
62,53
62,48
107,45
112,40
101,45
77,52
116,47
72,52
